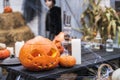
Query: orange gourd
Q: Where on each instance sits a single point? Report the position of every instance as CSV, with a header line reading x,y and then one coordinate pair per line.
x,y
67,61
4,53
39,53
7,9
58,41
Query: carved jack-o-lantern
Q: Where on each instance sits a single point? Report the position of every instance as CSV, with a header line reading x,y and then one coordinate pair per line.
x,y
58,41
39,54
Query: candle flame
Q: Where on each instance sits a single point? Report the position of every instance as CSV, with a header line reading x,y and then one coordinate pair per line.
x,y
39,55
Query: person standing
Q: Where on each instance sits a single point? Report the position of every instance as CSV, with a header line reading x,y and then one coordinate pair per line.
x,y
53,19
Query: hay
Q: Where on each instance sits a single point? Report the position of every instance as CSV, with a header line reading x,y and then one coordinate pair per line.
x,y
19,34
3,34
11,20
13,28
9,37
22,33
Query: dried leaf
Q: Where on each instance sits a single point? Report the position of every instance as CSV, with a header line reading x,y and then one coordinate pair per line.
x,y
109,28
113,24
108,16
106,21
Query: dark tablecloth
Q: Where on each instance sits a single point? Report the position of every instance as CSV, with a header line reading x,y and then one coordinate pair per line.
x,y
88,59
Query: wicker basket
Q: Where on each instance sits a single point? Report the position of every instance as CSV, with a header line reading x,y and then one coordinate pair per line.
x,y
100,77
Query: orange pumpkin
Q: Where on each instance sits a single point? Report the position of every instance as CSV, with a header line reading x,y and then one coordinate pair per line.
x,y
39,54
4,53
58,41
7,9
67,61
59,37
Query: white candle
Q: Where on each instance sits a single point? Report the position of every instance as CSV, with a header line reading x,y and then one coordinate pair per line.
x,y
11,50
18,46
76,50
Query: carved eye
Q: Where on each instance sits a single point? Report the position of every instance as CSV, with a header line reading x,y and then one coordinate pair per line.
x,y
52,52
36,53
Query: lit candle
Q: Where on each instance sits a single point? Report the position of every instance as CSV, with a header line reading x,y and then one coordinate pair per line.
x,y
76,50
18,46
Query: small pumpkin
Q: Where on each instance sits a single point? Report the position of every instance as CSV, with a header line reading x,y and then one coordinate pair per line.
x,y
39,54
2,46
4,53
7,9
58,41
67,61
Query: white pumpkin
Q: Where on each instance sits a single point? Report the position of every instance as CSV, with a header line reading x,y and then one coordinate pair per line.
x,y
2,46
116,75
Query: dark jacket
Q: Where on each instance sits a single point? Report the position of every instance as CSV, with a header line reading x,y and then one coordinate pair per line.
x,y
53,20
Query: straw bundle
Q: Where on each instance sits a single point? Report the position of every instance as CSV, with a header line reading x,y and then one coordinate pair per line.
x,y
13,28
18,34
22,33
3,34
11,20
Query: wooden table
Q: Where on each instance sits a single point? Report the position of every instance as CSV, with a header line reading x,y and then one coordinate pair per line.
x,y
88,59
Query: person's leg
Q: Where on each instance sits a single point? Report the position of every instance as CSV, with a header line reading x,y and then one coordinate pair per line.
x,y
47,34
51,36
